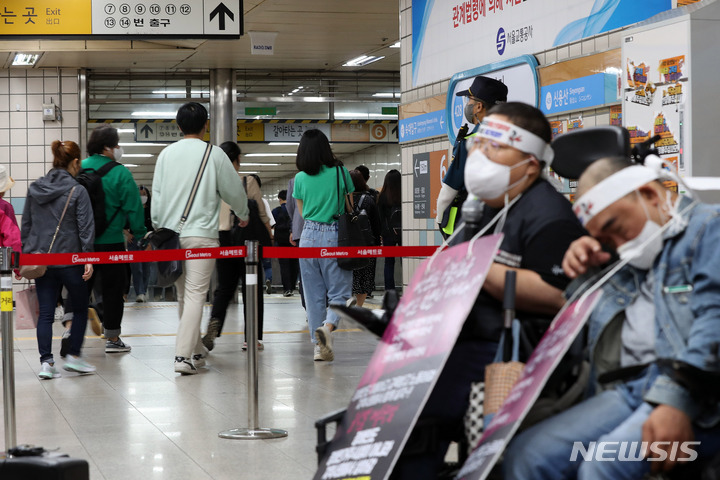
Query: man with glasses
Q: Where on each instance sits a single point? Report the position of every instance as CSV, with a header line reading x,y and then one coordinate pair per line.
x,y
482,95
504,166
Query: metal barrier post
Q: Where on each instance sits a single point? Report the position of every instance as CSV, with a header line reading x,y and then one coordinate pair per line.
x,y
8,358
253,431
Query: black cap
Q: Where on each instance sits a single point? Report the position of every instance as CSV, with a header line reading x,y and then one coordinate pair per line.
x,y
486,89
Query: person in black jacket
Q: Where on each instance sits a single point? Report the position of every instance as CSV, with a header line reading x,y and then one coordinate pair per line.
x,y
389,205
46,199
364,278
289,267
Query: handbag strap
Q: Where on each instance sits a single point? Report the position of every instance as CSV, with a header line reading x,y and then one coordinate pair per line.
x,y
348,204
57,229
516,344
195,187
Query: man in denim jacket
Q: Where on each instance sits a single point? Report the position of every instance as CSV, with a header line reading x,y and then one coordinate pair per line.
x,y
664,304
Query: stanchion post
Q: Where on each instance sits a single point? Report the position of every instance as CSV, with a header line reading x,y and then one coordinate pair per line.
x,y
8,358
253,431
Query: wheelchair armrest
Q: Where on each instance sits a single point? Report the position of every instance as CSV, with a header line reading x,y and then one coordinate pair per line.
x,y
701,384
321,427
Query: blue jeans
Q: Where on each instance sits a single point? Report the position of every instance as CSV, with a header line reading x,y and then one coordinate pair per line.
x,y
322,278
267,267
543,451
48,288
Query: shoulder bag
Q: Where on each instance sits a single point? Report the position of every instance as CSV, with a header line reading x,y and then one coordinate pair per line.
x,y
353,229
36,271
168,239
255,229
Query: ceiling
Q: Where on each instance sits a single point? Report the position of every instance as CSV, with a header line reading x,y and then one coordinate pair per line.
x,y
314,39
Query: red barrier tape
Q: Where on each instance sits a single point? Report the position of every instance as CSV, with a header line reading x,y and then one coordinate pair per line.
x,y
139,256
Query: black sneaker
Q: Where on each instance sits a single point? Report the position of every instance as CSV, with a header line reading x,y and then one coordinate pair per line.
x,y
65,343
212,332
184,366
288,293
268,287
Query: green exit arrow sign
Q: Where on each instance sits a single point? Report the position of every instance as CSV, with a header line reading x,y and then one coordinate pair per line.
x,y
389,110
263,111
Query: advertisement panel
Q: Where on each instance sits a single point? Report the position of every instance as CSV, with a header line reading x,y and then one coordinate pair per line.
x,y
449,36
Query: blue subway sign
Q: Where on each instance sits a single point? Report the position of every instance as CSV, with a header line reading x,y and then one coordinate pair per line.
x,y
579,93
427,125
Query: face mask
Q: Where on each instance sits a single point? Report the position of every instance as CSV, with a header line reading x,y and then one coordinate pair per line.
x,y
143,199
642,250
486,179
469,115
118,153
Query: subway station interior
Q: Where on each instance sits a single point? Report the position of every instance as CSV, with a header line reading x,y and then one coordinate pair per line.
x,y
379,78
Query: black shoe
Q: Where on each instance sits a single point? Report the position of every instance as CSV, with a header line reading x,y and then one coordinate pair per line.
x,y
268,287
288,293
212,332
65,343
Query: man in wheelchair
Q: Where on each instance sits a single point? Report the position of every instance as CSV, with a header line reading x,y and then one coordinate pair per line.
x,y
653,337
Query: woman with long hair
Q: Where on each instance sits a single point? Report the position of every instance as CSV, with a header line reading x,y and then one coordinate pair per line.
x,y
319,190
389,205
58,212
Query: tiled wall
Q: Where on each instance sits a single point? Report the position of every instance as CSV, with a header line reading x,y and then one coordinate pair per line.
x,y
25,137
422,231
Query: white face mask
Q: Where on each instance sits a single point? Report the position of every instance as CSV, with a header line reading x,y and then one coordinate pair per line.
x,y
118,153
143,199
487,179
642,250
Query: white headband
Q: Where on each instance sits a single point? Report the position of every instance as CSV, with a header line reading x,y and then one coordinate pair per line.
x,y
612,189
509,134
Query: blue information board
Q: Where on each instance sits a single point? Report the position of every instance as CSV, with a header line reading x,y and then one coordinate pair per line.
x,y
579,93
427,125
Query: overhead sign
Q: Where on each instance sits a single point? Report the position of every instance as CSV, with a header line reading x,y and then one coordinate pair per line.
x,y
578,93
136,18
422,126
291,132
157,132
454,35
45,17
518,74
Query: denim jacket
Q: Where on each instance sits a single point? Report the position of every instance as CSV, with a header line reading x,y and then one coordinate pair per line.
x,y
687,317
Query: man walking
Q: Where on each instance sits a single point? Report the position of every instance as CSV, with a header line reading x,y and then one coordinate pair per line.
x,y
177,168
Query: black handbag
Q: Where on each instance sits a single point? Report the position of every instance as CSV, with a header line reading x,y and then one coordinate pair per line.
x,y
168,239
255,229
354,229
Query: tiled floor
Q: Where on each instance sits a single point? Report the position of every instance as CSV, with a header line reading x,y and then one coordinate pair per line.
x,y
136,418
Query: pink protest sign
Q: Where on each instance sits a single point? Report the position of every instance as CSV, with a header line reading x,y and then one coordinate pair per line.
x,y
541,364
408,362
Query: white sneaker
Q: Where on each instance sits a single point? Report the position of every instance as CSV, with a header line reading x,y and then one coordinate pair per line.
x,y
184,366
140,298
316,354
59,313
325,342
48,371
198,360
77,364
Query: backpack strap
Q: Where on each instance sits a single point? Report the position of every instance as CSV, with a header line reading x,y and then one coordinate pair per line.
x,y
102,171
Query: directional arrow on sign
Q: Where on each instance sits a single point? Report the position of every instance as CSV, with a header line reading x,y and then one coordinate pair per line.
x,y
220,11
416,168
147,130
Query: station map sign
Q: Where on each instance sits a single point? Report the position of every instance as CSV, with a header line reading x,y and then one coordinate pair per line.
x,y
122,18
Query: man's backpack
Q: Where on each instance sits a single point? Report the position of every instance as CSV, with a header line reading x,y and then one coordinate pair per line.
x,y
91,179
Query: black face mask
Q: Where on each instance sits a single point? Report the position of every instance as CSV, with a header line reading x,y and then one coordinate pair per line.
x,y
469,116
